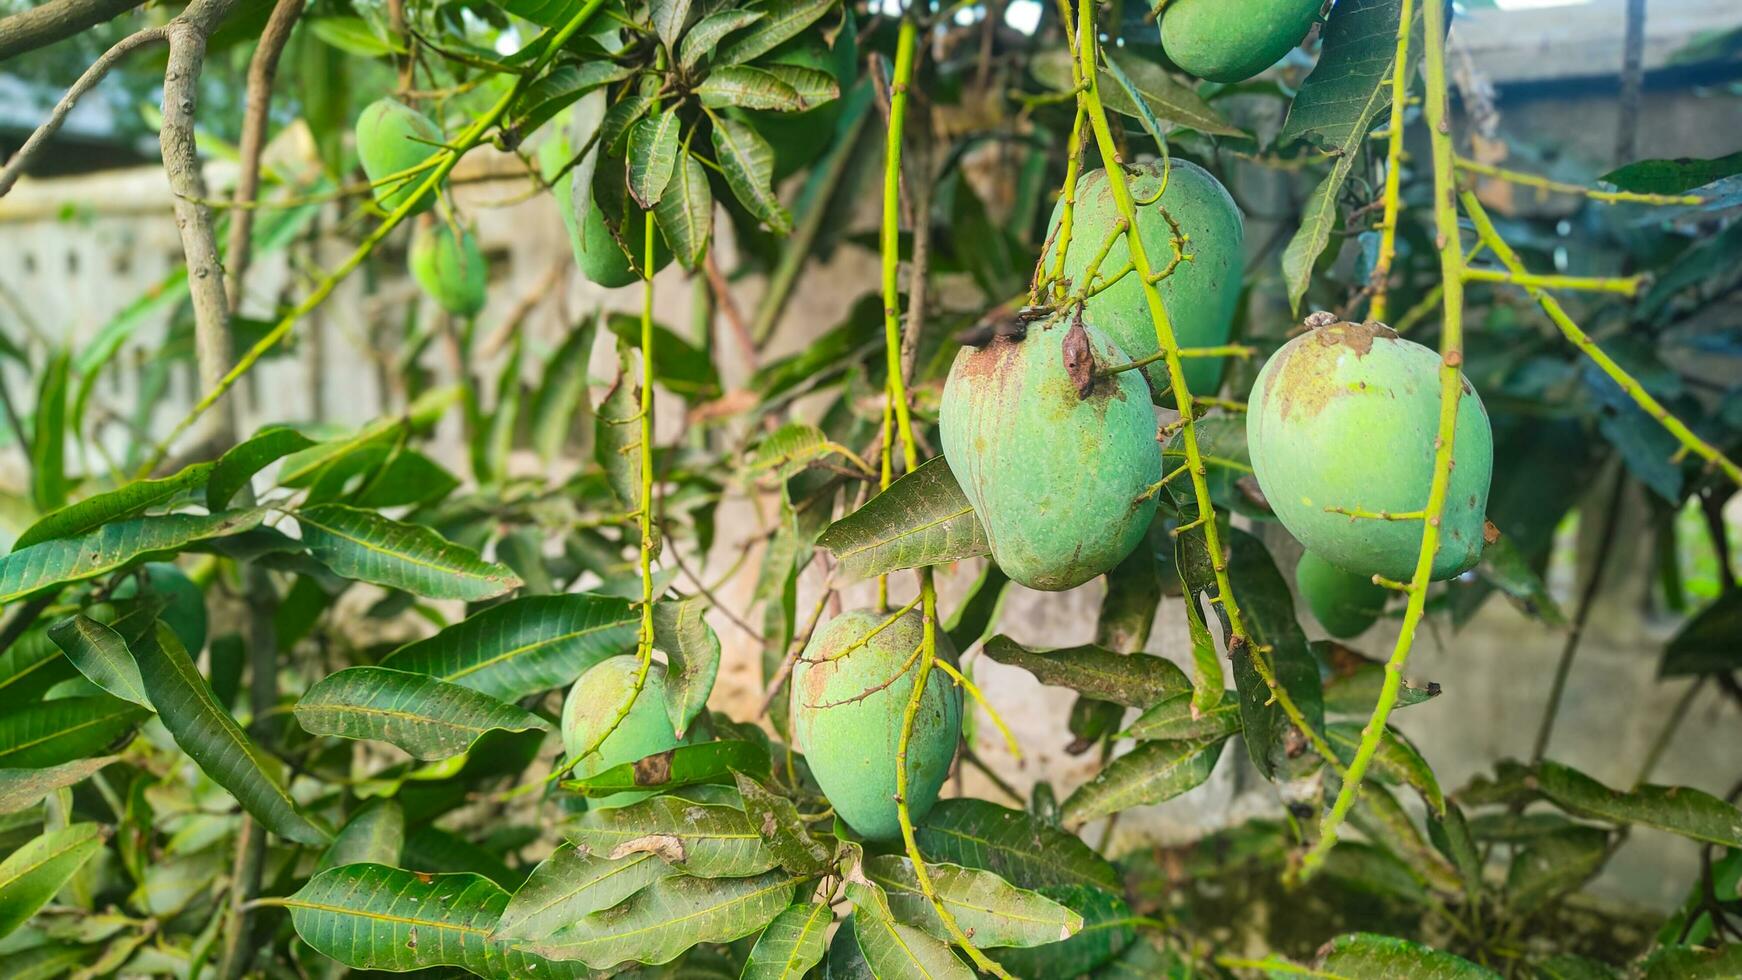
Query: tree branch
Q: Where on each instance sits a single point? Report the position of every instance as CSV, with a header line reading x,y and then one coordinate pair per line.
x,y
56,20
262,69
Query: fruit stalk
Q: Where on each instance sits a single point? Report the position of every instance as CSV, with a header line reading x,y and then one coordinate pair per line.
x,y
1393,164
1451,390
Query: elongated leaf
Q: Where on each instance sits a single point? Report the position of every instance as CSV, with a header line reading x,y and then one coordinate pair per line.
x,y
786,20
704,38
748,88
524,646
1318,219
896,949
791,944
617,430
1673,176
788,450
1108,928
21,789
776,818
748,162
652,159
375,834
101,655
1163,96
50,733
1135,680
30,668
1365,956
659,922
1172,718
678,364
814,86
1553,865
559,88
1396,760
1706,643
573,883
1014,845
1150,773
560,405
127,500
686,765
692,653
700,839
110,547
371,917
1355,682
922,519
1690,963
429,718
213,739
363,545
991,910
239,464
1678,809
48,478
670,17
31,875
685,213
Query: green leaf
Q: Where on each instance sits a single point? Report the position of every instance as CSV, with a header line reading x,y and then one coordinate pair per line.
x,y
748,163
1014,845
991,910
699,839
685,765
977,616
815,87
561,400
573,883
1678,809
1451,836
1395,761
1268,607
685,214
1706,644
922,519
213,739
786,20
375,834
524,646
1318,219
239,464
429,718
1355,682
1163,96
692,652
48,478
704,38
1134,680
1693,963
31,875
617,430
1365,956
50,733
786,451
777,820
670,17
1553,865
21,789
127,500
656,924
102,656
1672,176
370,917
1107,931
30,668
679,365
1150,773
748,88
896,949
363,545
113,546
353,36
791,944
653,152
1507,569
560,88
1175,717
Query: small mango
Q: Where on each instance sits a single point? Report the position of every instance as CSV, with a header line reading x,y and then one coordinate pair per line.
x,y
1233,40
594,702
1344,603
449,270
392,137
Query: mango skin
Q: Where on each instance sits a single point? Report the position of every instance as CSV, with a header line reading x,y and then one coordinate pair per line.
x,y
1344,603
595,699
850,741
386,145
1055,479
1233,40
1200,295
1346,415
450,271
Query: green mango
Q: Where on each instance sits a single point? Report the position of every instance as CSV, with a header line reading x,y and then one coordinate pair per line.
x,y
1200,294
1344,603
1233,40
1346,416
849,693
393,137
1058,481
450,271
647,730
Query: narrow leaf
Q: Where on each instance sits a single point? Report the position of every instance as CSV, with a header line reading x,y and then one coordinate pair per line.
x,y
685,765
704,38
791,944
1678,809
429,718
363,545
991,910
31,875
692,652
656,924
786,20
700,839
1015,845
652,159
574,882
1150,773
1134,680
102,656
128,500
113,546
63,730
776,818
21,789
375,834
685,212
896,949
239,464
922,519
748,162
748,88
1176,717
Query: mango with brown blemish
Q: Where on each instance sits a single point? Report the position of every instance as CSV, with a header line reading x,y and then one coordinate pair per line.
x,y
1345,417
592,706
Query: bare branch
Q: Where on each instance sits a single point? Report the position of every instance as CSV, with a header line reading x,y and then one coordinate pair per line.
x,y
56,20
262,69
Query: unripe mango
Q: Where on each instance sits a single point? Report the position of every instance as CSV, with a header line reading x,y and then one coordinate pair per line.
x,y
850,689
1232,40
1344,603
392,137
594,702
1346,417
1058,480
1200,294
449,270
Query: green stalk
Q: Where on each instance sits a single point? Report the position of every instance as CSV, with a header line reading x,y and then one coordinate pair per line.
x,y
1393,163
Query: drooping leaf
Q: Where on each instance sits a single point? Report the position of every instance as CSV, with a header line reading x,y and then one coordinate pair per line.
x,y
560,405
617,430
679,365
1706,644
977,616
1163,96
375,834
1395,760
1014,845
21,789
573,883
791,944
1672,176
685,213
427,717
101,655
1108,928
1553,865
700,839
896,949
1173,718
560,88
31,875
1365,956
1150,773
63,730
128,500
1451,836
240,462
1134,680
113,546
704,39
748,163
1318,219
776,818
922,519
1268,608
786,20
748,88
363,545
656,924
692,652
48,477
991,910
686,765
1355,681
670,17
652,159
1678,809
353,36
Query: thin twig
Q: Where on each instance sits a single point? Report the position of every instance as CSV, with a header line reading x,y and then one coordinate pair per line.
x,y
262,70
1381,275
728,305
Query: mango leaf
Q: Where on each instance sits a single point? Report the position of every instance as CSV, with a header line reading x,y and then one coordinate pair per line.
x,y
375,834
656,924
1693,963
1172,718
685,213
1706,644
560,405
1672,176
813,86
748,88
777,820
353,36
1678,809
30,668
652,158
896,949
128,500
524,646
1553,865
669,19
21,789
1014,845
363,545
573,883
239,464
113,546
1107,931
1451,836
704,38
789,449
560,88
429,718
705,840
977,616
1395,761
101,655
686,765
370,917
991,910
31,875
679,365
1134,680
791,944
786,20
63,730
1150,773
1162,96
748,163
617,430
1387,824
1268,606
213,739
1365,956
48,478
692,652
1355,681
922,519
